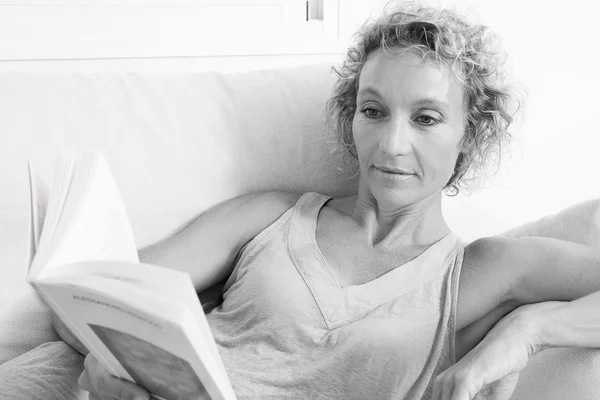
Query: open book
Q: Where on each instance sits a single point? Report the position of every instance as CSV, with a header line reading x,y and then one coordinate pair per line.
x,y
144,323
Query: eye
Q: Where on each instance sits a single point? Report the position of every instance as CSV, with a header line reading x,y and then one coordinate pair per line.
x,y
371,112
427,120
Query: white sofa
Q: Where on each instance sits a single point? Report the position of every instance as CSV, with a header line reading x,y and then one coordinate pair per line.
x,y
179,143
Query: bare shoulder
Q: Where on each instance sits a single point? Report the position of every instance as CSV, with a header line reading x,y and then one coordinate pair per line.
x,y
486,279
500,274
533,269
485,291
497,271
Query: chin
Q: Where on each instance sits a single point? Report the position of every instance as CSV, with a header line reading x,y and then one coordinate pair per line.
x,y
399,196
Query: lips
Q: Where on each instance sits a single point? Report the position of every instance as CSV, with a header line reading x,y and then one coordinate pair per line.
x,y
394,170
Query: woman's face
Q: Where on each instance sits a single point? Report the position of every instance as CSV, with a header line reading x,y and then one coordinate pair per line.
x,y
407,127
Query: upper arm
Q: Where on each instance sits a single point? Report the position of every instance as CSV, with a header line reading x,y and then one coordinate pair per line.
x,y
551,269
485,286
501,271
501,274
209,245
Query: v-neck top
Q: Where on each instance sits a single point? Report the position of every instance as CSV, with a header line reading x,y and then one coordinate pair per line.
x,y
287,330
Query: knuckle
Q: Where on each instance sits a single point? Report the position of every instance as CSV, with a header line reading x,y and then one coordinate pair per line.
x,y
87,360
90,363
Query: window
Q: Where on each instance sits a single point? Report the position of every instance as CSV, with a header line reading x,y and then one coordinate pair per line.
x,y
90,29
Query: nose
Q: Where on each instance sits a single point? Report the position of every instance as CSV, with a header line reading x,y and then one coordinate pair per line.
x,y
396,137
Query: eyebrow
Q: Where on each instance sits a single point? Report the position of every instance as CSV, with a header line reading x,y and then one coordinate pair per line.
x,y
368,90
427,101
432,102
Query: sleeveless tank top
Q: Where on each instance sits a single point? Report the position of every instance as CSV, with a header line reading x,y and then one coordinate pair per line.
x,y
287,330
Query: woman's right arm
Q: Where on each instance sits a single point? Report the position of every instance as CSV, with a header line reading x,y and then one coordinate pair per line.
x,y
206,249
208,246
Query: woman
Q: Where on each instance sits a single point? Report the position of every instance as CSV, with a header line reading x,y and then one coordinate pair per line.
x,y
372,296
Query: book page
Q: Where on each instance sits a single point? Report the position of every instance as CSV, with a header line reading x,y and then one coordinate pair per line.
x,y
93,223
38,204
56,200
143,338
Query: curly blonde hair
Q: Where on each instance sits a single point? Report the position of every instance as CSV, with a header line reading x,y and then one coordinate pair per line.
x,y
469,50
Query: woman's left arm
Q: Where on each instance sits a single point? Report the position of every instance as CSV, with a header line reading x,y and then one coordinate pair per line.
x,y
571,324
551,269
545,269
558,285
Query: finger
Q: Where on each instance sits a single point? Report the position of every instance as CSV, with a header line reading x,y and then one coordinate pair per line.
x,y
460,387
504,389
84,381
89,367
460,393
467,386
93,396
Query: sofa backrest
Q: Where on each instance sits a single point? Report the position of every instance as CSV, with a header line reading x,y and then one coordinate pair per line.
x,y
177,143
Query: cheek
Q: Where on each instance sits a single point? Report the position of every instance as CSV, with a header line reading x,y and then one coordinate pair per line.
x,y
440,160
447,148
361,138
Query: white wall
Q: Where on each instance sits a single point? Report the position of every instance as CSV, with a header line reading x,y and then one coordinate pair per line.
x,y
553,54
167,35
175,35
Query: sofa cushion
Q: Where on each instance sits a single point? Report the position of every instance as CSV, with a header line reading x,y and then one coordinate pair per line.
x,y
48,372
563,373
24,318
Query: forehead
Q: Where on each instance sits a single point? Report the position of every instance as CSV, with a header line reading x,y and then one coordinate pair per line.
x,y
406,76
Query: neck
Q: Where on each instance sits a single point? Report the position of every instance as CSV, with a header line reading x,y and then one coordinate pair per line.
x,y
389,225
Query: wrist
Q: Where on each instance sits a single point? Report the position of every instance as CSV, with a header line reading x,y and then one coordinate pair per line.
x,y
540,324
532,327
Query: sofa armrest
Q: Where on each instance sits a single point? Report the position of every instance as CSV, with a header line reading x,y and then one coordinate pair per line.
x,y
559,374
